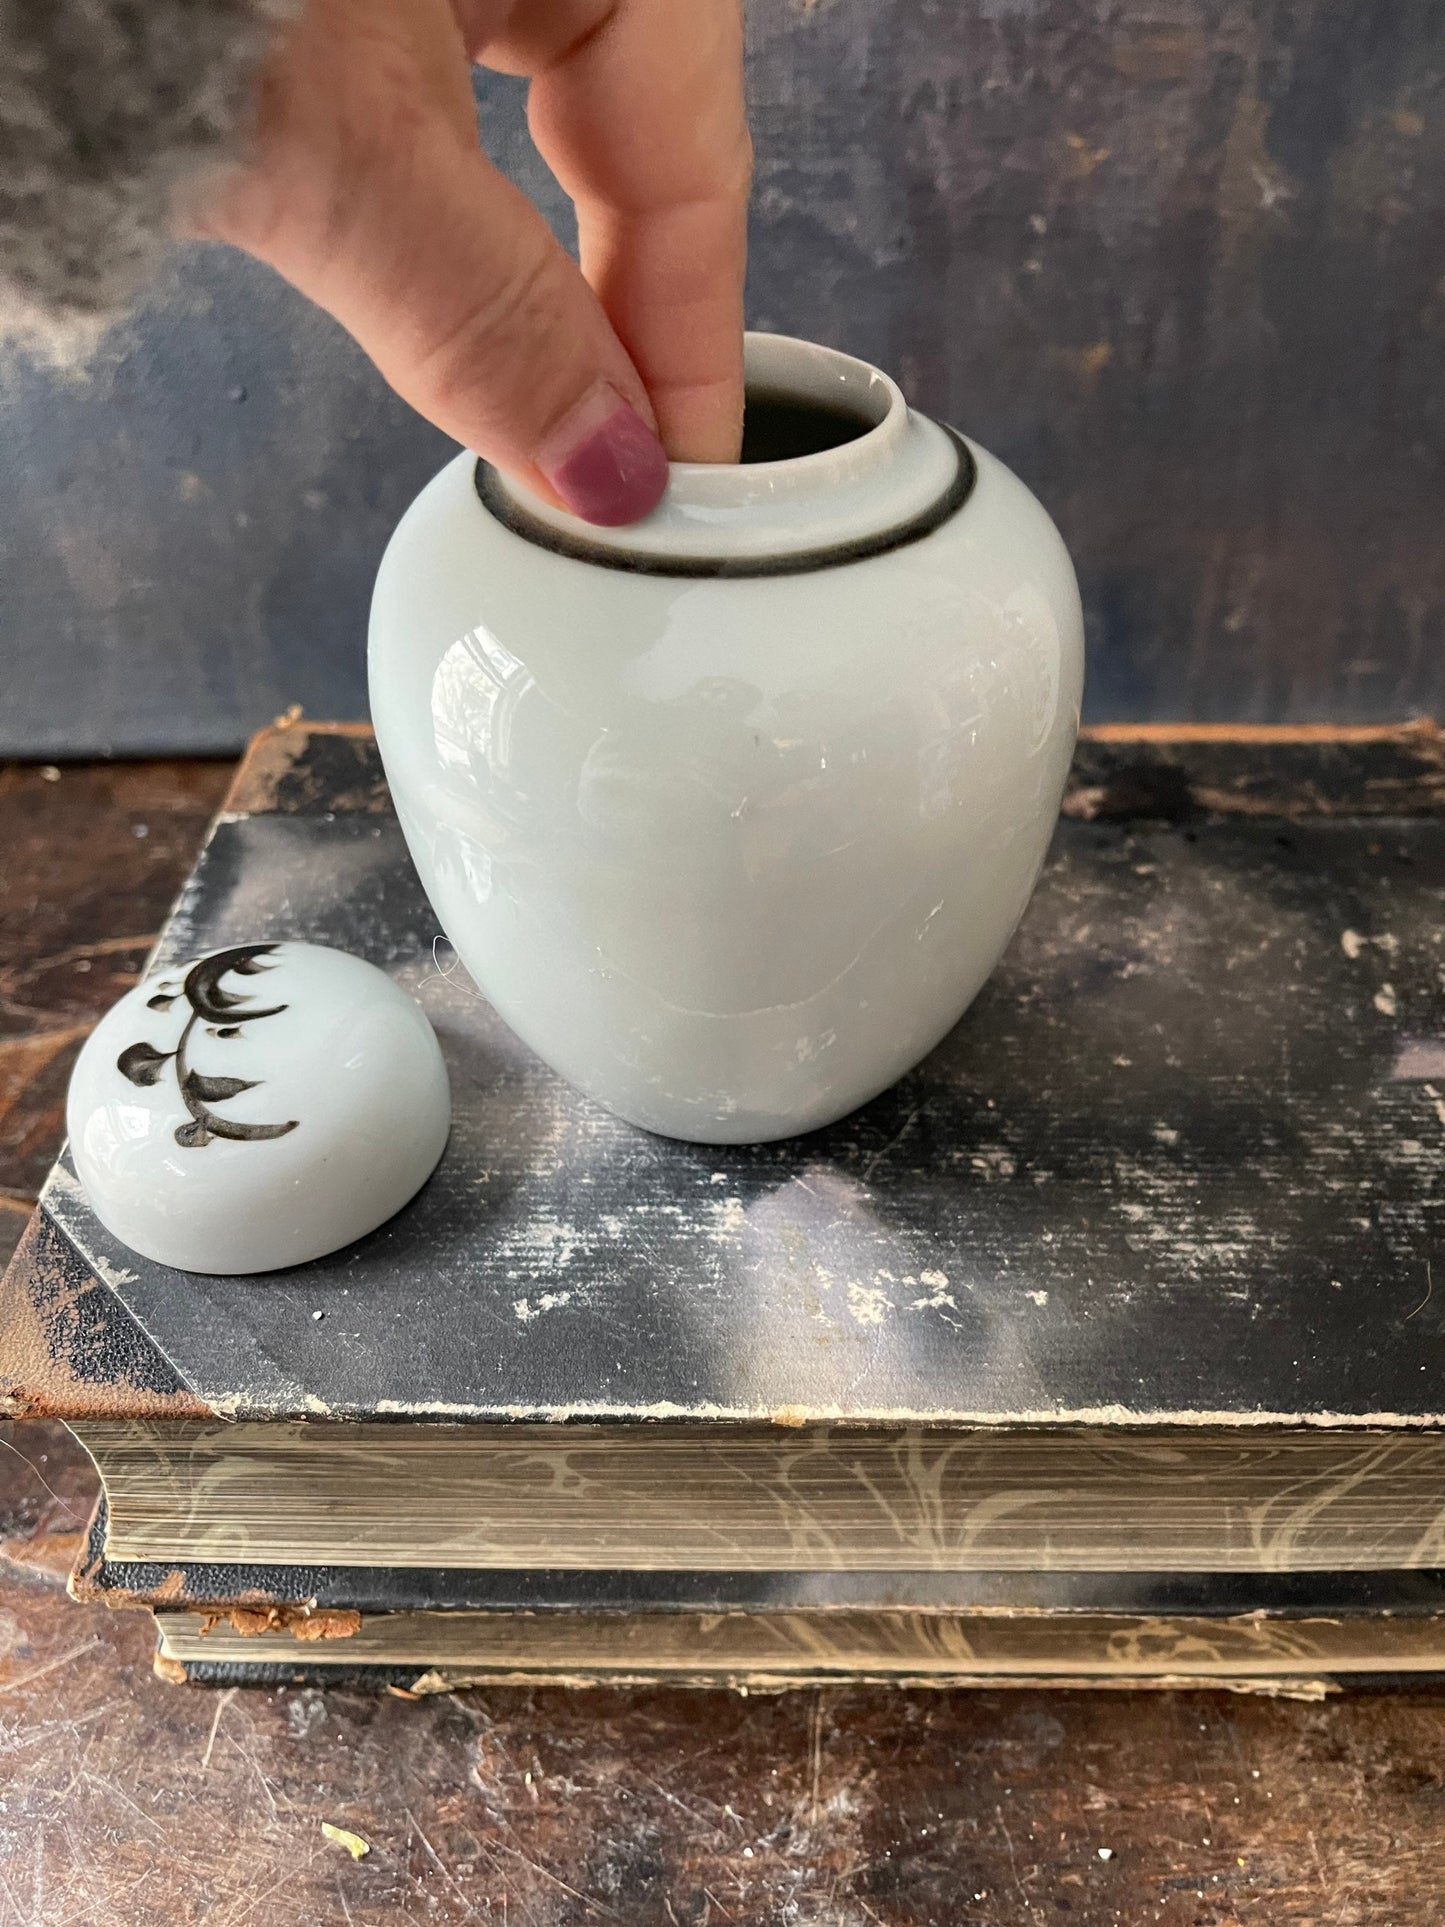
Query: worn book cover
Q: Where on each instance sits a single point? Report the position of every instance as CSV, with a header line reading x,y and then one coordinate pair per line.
x,y
1179,1168
1180,1164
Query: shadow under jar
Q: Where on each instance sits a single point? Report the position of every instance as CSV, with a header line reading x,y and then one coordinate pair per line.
x,y
730,813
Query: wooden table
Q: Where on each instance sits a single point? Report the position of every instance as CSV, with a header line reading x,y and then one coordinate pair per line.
x,y
123,1800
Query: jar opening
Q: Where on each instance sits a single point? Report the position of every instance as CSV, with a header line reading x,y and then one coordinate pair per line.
x,y
779,424
835,467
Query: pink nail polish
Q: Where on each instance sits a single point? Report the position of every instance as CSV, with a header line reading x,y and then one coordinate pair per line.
x,y
605,462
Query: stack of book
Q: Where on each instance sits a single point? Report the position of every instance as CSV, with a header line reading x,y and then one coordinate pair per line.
x,y
1105,1349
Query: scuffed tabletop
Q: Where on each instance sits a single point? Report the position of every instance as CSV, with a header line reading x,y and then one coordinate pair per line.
x,y
123,1800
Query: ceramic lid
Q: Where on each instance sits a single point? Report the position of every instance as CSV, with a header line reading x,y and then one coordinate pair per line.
x,y
257,1107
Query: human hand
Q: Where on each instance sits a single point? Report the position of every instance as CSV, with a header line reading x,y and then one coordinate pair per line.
x,y
366,187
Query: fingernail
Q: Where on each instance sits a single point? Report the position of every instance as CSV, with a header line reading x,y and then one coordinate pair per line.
x,y
604,461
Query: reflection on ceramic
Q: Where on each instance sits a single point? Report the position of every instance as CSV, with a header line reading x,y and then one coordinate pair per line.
x,y
731,813
257,1107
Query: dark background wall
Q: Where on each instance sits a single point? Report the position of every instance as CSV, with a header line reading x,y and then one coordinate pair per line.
x,y
1180,262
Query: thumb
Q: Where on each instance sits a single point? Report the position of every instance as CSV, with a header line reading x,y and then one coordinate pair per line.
x,y
454,285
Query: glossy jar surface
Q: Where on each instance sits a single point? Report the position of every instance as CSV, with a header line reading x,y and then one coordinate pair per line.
x,y
731,813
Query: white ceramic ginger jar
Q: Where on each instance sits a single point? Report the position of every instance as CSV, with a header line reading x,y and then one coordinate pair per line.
x,y
731,812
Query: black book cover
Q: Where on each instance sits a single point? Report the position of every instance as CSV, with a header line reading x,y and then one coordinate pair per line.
x,y
1180,1164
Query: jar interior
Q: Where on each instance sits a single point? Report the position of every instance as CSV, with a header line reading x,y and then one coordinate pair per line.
x,y
779,425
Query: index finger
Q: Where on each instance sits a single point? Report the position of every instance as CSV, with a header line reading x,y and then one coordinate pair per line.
x,y
640,115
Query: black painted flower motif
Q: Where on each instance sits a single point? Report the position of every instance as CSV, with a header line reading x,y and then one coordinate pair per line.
x,y
222,1012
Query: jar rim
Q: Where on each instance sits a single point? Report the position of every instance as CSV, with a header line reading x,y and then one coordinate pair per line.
x,y
859,495
501,503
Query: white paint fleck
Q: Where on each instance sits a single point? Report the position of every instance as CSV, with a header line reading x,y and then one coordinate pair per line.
x,y
546,1244
1039,1297
114,1275
938,1292
868,1304
1385,1002
546,1301
1165,1134
729,1220
1353,942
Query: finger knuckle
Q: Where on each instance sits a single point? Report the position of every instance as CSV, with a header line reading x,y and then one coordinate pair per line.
x,y
491,336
